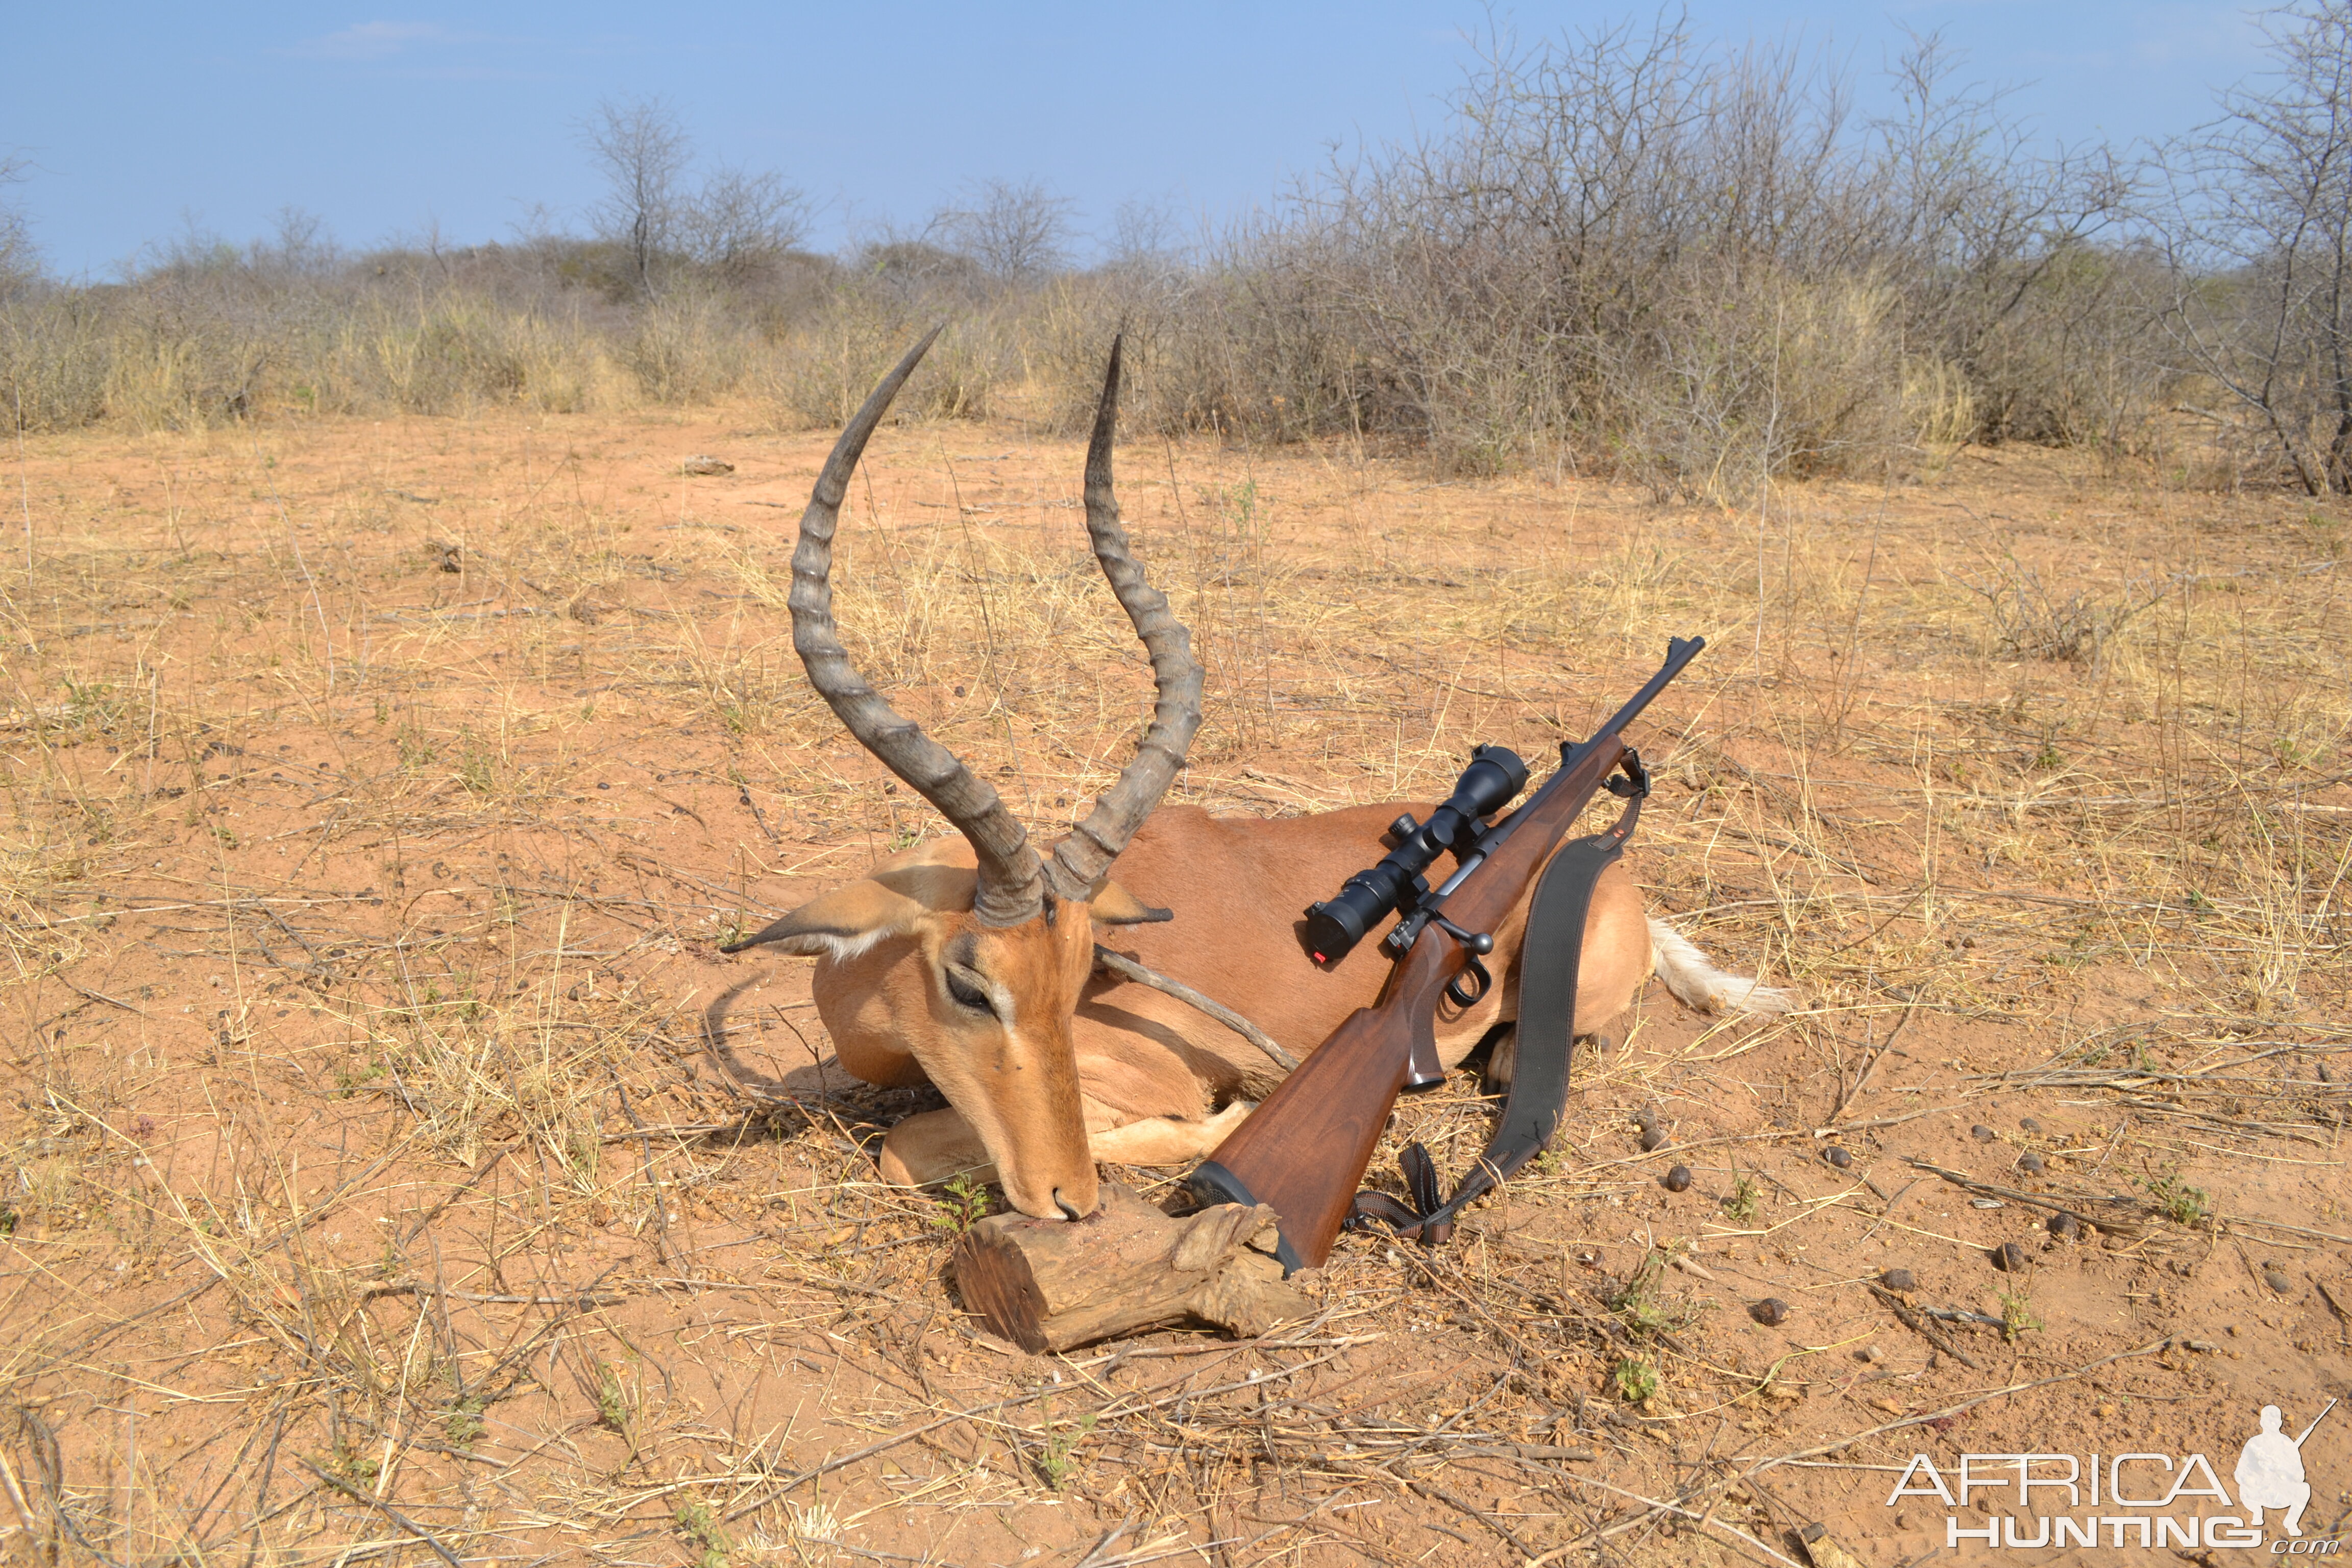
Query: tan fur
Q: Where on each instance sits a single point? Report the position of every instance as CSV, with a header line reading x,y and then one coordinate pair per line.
x,y
1097,1068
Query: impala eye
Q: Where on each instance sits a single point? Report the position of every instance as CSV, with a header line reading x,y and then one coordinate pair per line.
x,y
966,993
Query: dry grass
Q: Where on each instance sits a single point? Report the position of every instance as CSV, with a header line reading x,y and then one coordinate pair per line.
x,y
393,1169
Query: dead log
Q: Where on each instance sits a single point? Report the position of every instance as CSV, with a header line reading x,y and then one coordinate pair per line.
x,y
1053,1285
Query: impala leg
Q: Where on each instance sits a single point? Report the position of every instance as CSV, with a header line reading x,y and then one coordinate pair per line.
x,y
1164,1140
932,1147
1504,1062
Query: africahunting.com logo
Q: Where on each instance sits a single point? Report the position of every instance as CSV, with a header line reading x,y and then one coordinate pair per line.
x,y
2152,1501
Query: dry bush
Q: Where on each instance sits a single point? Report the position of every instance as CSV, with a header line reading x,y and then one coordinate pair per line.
x,y
53,361
2259,221
1765,376
1687,264
459,352
826,365
688,346
2030,619
1623,251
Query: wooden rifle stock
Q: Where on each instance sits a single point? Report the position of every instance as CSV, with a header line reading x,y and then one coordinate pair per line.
x,y
1304,1149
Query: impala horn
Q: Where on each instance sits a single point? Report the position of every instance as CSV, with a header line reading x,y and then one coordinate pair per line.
x,y
1014,883
1082,859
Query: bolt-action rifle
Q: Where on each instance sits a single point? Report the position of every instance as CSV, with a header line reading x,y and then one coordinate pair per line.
x,y
1304,1149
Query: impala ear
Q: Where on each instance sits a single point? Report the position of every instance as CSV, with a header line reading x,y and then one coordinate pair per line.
x,y
1115,906
840,925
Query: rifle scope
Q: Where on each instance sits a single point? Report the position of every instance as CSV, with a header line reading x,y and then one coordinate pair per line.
x,y
1337,924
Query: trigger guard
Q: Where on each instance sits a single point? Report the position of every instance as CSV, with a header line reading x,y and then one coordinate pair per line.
x,y
1453,988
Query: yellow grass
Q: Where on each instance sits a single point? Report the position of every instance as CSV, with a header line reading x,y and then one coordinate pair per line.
x,y
390,1155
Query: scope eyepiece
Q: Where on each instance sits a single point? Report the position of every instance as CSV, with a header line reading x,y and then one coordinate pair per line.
x,y
1335,925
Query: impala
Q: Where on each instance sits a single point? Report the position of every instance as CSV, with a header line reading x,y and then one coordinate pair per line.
x,y
970,963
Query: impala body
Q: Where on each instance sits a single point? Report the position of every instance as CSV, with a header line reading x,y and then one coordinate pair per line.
x,y
969,963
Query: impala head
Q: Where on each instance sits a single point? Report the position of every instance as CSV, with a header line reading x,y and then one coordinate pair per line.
x,y
972,956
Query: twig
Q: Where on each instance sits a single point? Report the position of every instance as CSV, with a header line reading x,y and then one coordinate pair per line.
x,y
1831,1448
100,996
1708,1521
1884,1045
1439,1494
1119,964
2083,1207
1918,1325
17,1493
426,1288
385,1509
1109,1538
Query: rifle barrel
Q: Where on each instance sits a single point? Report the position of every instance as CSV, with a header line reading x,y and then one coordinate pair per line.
x,y
1680,651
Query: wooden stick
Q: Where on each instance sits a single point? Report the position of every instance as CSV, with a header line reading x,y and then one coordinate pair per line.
x,y
1119,964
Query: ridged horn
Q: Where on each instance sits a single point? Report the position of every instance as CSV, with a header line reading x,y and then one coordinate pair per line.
x,y
1082,859
1012,881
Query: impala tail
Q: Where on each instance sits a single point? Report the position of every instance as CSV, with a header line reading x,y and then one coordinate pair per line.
x,y
1697,982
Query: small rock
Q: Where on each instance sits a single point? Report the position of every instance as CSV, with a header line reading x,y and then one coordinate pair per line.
x,y
2031,1165
1900,1279
1870,1354
1651,1139
1983,1134
703,466
2277,1282
2066,1227
2010,1259
2029,1124
1837,1156
1771,1312
1677,1180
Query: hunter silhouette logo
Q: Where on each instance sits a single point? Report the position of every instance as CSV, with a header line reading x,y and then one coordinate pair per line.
x,y
2270,1472
2142,1499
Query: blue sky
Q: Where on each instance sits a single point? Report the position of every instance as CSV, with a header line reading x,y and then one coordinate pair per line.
x,y
141,118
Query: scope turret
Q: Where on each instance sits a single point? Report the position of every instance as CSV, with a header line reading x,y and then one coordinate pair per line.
x,y
1335,925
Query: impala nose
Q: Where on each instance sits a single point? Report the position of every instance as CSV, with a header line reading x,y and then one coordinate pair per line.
x,y
1069,1210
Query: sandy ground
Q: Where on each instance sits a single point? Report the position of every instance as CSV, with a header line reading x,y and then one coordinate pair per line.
x,y
394,1170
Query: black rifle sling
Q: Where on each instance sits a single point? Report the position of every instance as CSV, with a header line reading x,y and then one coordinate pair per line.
x,y
1552,952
